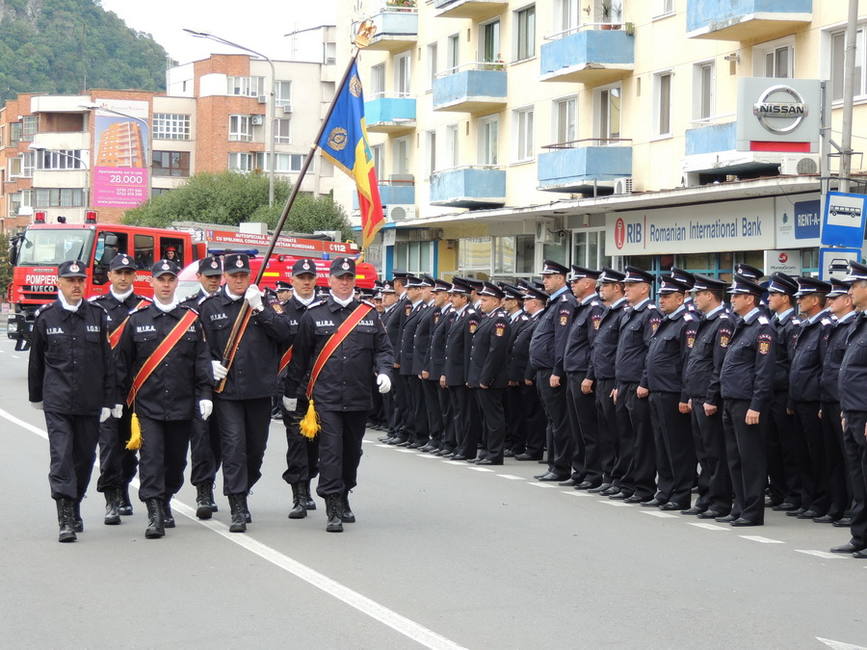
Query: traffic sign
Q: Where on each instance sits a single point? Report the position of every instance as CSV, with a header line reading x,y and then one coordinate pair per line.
x,y
843,220
833,262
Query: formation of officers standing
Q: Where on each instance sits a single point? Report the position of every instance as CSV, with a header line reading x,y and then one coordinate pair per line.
x,y
123,372
750,395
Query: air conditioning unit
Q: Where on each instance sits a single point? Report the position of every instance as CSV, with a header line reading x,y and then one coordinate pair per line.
x,y
400,212
287,108
262,99
257,120
544,235
623,185
799,165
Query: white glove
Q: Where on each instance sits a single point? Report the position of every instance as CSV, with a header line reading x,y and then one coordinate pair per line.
x,y
36,405
117,411
383,382
104,414
290,403
254,297
206,407
220,371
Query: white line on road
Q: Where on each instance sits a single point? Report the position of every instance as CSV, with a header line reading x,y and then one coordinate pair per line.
x,y
573,493
480,469
708,526
426,456
617,504
761,540
511,477
383,446
409,628
840,645
16,356
542,485
822,554
455,462
367,442
661,515
404,451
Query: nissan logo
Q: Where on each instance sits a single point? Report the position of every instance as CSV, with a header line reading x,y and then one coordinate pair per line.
x,y
782,115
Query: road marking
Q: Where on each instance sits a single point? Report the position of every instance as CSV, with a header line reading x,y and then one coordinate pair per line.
x,y
761,540
708,526
367,442
822,554
383,445
541,485
407,627
480,469
618,504
661,515
16,356
455,462
404,451
511,477
573,493
426,456
840,645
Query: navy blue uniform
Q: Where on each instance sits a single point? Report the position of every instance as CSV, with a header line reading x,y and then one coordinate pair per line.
x,y
435,367
458,345
529,434
421,352
415,423
852,385
487,376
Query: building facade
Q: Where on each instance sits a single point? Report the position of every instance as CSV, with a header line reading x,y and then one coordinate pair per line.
x,y
601,131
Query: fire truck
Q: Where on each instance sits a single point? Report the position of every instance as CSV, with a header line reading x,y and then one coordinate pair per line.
x,y
42,247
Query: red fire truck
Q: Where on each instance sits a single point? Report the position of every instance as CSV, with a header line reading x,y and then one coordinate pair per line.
x,y
42,247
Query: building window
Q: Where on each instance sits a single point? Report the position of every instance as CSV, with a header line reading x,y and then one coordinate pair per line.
x,y
282,93
523,118
171,126
774,59
703,82
14,133
28,161
588,249
246,86
281,131
171,163
664,8
453,53
662,103
838,55
565,118
240,128
400,156
431,152
330,53
525,19
432,63
29,125
377,80
609,101
378,160
490,42
414,256
565,15
59,159
451,146
489,128
60,198
240,162
159,191
514,256
402,74
287,163
474,254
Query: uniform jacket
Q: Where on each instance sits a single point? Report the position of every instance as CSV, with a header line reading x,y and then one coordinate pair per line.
x,y
549,337
489,352
852,382
831,351
517,323
436,357
254,371
587,315
196,299
637,326
423,335
787,329
407,337
705,358
458,344
173,389
668,353
747,371
117,311
346,380
71,366
604,349
291,312
394,325
806,364
520,367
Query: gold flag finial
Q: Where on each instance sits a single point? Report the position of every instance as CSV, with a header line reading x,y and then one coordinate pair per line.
x,y
364,34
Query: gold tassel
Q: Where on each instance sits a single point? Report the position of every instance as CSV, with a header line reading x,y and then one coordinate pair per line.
x,y
135,433
309,425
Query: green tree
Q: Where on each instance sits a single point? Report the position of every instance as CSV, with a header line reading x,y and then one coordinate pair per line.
x,y
229,198
5,265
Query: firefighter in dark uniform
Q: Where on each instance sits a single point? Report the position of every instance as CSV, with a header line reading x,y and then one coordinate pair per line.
x,y
546,356
71,379
513,303
389,311
746,385
638,324
852,386
435,367
420,360
669,400
835,330
205,437
243,408
117,464
705,359
600,381
342,390
175,393
586,468
487,375
530,439
302,453
418,294
402,426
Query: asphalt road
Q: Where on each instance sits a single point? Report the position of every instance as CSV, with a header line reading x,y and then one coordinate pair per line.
x,y
444,555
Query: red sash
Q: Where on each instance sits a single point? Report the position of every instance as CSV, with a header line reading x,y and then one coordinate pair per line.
x,y
157,356
334,341
284,360
114,337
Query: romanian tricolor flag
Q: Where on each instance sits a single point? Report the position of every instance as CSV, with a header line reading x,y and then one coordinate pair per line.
x,y
344,143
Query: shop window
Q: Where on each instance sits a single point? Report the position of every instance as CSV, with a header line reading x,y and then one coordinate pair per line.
x,y
416,256
474,253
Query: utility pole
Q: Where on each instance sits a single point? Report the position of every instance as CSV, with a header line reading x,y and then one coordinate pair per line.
x,y
848,93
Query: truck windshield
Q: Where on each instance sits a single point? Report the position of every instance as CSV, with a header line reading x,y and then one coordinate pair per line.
x,y
53,247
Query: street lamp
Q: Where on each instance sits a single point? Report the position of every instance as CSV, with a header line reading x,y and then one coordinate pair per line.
x,y
271,103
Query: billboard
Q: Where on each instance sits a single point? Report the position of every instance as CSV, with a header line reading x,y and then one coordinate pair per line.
x,y
120,167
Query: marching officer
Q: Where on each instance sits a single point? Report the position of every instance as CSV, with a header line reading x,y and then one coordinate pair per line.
x,y
205,453
530,438
164,375
117,464
746,384
435,366
243,407
71,379
487,375
402,430
389,311
302,453
513,304
418,294
421,359
340,343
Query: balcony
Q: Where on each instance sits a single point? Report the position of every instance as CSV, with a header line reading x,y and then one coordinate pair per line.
x,y
398,190
62,178
396,29
474,9
470,187
73,141
59,103
477,88
390,114
746,20
581,165
596,54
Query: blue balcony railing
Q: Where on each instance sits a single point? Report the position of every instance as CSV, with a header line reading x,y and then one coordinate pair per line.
x,y
712,138
396,29
575,166
740,20
588,56
390,114
392,192
475,88
469,187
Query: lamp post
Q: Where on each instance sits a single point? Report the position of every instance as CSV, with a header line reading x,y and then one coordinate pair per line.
x,y
271,103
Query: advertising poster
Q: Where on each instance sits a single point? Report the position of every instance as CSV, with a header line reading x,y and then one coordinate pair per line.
x,y
120,168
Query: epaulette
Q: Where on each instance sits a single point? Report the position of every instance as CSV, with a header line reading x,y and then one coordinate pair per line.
x,y
687,316
764,320
206,299
724,314
595,303
565,297
827,321
650,305
795,321
43,308
182,306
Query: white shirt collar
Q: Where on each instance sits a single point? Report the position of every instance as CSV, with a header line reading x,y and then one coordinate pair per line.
x,y
781,315
305,301
166,308
847,316
68,306
716,309
339,301
120,297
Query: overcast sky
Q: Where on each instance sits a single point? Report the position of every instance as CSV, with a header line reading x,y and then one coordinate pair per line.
x,y
258,24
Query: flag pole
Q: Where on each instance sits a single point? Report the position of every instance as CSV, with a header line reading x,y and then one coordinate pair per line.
x,y
239,326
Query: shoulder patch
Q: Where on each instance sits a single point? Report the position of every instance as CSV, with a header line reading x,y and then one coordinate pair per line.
x,y
827,321
138,309
317,303
687,316
650,305
43,308
725,315
209,298
763,320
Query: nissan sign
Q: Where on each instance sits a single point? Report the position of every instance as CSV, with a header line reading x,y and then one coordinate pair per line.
x,y
779,116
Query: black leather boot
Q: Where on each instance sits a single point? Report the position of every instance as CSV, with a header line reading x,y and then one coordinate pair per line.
x,y
78,527
210,487
124,506
156,527
66,520
236,507
112,502
346,515
168,517
248,518
333,508
298,493
308,502
204,496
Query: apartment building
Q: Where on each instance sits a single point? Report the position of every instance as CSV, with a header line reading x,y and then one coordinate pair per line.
x,y
601,131
109,150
